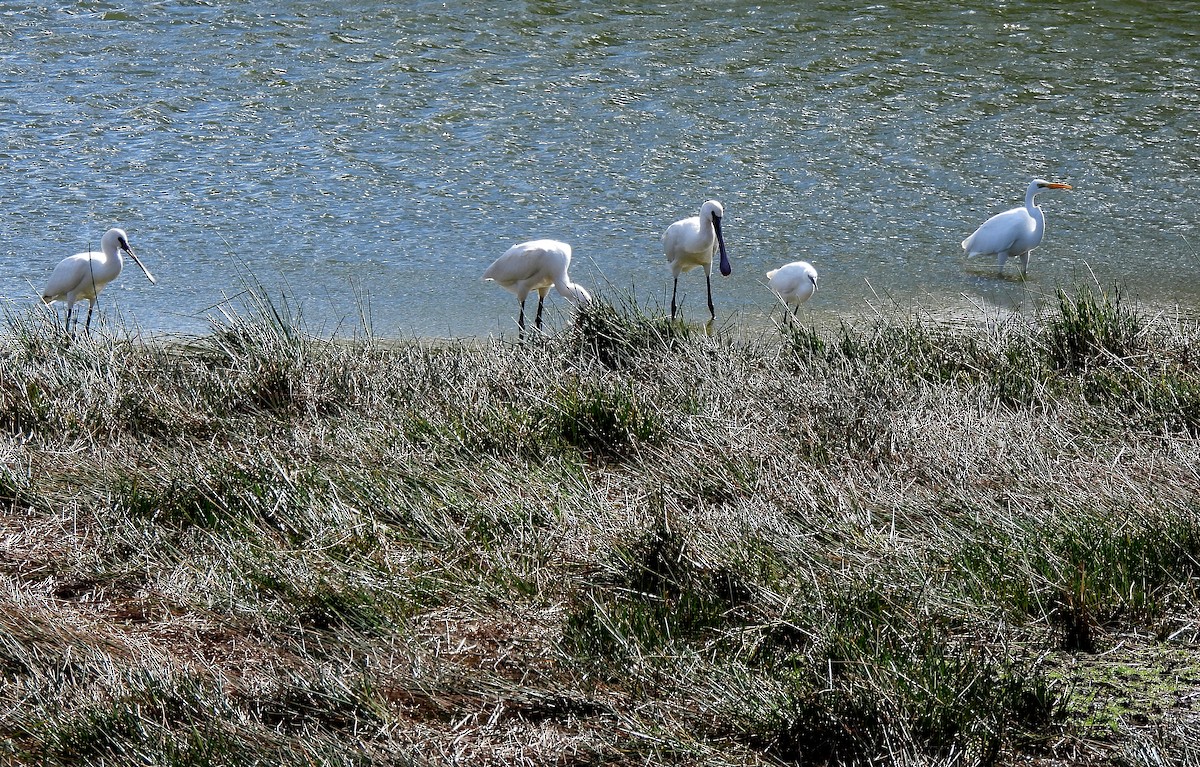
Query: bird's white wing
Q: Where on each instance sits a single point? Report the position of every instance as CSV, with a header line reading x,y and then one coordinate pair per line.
x,y
999,233
680,238
67,276
529,260
510,267
788,280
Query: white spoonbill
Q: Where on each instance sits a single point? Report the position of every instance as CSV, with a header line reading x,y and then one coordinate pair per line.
x,y
536,265
794,283
690,242
84,275
1014,232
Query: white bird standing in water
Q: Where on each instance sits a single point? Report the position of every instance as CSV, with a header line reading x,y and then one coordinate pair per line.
x,y
536,265
1014,232
84,275
690,242
794,283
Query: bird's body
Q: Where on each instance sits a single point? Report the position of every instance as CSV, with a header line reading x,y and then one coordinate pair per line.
x,y
84,275
536,265
794,283
690,242
1014,232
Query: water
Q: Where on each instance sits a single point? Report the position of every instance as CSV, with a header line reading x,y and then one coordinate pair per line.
x,y
363,157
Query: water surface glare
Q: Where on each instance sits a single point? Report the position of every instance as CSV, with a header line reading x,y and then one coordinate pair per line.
x,y
376,157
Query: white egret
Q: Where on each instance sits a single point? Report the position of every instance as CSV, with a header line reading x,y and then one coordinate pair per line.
x,y
1014,232
536,265
84,275
690,242
794,283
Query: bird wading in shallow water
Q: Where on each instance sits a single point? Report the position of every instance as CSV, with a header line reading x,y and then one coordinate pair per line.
x,y
536,265
84,275
690,242
1014,232
794,283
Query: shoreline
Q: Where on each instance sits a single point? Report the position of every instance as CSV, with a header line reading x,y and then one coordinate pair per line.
x,y
968,313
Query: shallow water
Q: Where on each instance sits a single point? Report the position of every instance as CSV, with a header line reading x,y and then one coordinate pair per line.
x,y
363,158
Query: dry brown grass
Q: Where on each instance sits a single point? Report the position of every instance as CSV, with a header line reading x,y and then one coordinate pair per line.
x,y
628,543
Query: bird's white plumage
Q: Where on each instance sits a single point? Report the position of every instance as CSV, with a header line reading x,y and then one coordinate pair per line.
x,y
1014,232
794,283
84,275
691,242
537,265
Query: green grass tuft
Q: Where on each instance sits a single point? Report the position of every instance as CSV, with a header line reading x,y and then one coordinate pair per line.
x,y
1092,329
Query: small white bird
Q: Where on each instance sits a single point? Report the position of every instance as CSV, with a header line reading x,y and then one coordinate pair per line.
x,y
84,275
690,242
794,283
536,265
1014,232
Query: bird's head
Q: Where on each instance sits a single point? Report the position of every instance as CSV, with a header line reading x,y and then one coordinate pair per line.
x,y
113,239
712,211
1042,184
581,297
116,238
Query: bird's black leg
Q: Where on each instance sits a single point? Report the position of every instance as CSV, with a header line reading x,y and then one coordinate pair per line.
x,y
537,322
87,326
708,282
674,288
521,317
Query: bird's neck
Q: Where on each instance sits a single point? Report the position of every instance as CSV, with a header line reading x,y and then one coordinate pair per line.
x,y
1029,195
1035,213
1033,210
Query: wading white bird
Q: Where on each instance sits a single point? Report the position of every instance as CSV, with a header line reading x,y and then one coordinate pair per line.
x,y
690,242
536,265
1014,232
795,283
84,275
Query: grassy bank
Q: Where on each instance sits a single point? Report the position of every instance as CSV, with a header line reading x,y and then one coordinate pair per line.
x,y
630,543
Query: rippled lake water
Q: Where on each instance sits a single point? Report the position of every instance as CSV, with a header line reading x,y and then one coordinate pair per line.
x,y
369,156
